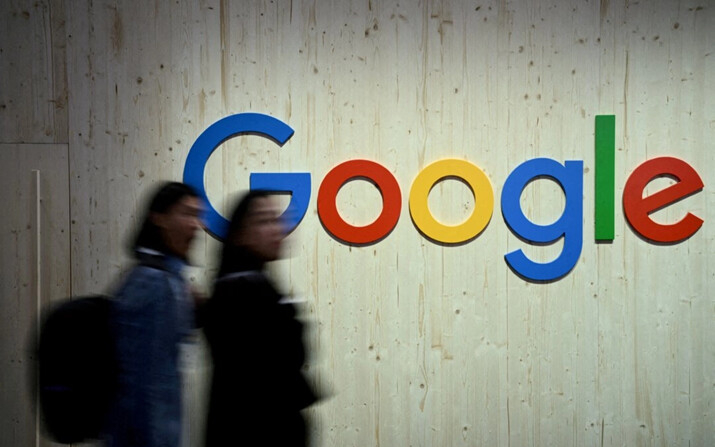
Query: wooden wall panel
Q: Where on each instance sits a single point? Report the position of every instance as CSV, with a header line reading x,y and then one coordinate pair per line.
x,y
35,269
421,343
33,84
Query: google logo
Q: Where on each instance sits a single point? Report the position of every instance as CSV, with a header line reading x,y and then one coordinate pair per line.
x,y
568,175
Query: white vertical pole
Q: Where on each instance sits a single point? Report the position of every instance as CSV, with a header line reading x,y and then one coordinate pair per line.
x,y
38,269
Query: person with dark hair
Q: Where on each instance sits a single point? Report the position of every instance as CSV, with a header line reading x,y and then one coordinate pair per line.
x,y
152,312
256,341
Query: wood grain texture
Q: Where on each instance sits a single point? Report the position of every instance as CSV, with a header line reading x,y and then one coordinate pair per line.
x,y
24,276
33,80
420,343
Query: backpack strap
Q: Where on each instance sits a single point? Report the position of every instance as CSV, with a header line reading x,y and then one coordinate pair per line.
x,y
151,258
252,274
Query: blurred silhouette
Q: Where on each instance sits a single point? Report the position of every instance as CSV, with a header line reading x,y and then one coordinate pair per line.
x,y
255,339
76,369
152,313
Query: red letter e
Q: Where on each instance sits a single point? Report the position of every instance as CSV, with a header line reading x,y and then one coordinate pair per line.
x,y
638,208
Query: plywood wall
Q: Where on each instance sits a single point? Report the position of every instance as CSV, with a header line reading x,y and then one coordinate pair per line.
x,y
34,223
420,343
35,270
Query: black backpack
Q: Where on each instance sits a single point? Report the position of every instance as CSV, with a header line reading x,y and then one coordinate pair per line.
x,y
77,369
77,365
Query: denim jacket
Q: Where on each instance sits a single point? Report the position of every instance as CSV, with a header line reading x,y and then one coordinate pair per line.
x,y
151,315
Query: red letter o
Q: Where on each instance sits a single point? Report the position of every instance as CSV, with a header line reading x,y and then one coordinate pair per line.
x,y
391,201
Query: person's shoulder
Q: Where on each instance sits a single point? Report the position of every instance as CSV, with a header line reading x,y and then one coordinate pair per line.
x,y
246,288
244,275
142,282
240,280
144,273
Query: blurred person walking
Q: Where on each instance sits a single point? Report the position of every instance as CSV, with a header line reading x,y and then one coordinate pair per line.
x,y
152,312
255,339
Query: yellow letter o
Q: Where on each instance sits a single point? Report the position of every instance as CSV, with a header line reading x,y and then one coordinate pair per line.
x,y
477,181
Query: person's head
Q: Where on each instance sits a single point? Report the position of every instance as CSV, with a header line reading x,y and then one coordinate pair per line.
x,y
171,220
256,226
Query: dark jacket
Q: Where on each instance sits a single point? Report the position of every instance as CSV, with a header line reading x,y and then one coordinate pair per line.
x,y
257,348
